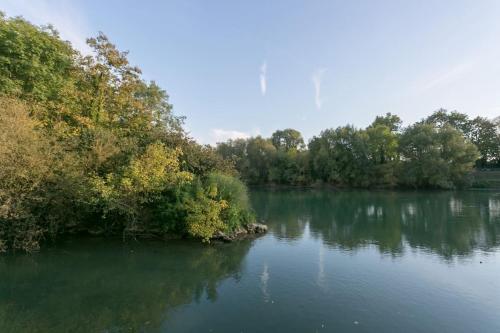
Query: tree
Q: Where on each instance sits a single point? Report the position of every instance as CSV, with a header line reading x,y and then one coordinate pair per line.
x,y
35,64
435,157
25,164
88,146
340,156
287,139
485,135
459,121
260,154
391,121
235,152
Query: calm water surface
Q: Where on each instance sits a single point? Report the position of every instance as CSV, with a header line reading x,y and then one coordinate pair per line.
x,y
332,262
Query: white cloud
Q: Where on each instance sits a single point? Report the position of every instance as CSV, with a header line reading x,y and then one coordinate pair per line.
x,y
263,78
65,16
317,79
447,76
220,135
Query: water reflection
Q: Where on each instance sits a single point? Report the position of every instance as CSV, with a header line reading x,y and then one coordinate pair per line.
x,y
446,223
294,279
101,286
264,278
494,209
321,280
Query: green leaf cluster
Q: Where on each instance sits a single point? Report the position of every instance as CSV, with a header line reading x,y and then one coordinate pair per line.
x,y
88,146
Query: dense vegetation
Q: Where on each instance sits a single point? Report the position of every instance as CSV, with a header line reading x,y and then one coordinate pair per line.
x,y
437,152
86,145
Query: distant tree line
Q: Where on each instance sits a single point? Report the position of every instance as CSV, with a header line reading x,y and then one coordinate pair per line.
x,y
87,146
438,152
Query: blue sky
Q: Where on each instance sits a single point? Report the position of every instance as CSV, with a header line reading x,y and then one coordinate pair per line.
x,y
240,68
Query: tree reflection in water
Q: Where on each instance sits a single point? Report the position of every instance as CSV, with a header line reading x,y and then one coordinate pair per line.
x,y
103,286
446,223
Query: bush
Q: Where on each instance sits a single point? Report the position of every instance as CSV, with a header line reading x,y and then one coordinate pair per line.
x,y
235,194
25,166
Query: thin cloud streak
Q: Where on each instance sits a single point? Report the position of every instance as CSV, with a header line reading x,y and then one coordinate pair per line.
x,y
449,76
263,78
317,79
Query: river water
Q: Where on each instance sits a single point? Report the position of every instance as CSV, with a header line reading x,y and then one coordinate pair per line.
x,y
332,261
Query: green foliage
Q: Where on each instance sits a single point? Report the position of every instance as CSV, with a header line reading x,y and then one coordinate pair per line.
x,y
35,179
218,203
34,62
260,153
345,154
86,145
142,182
234,151
442,117
24,167
287,139
201,159
204,213
234,194
229,189
383,141
435,157
392,121
484,133
278,160
434,153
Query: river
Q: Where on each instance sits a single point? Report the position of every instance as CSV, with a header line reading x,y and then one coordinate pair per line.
x,y
332,261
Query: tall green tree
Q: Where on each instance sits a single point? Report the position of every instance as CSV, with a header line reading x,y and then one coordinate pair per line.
x,y
35,64
486,136
287,139
260,154
484,133
435,157
457,120
340,156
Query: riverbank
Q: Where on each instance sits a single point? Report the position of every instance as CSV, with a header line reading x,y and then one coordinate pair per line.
x,y
489,179
479,179
248,231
